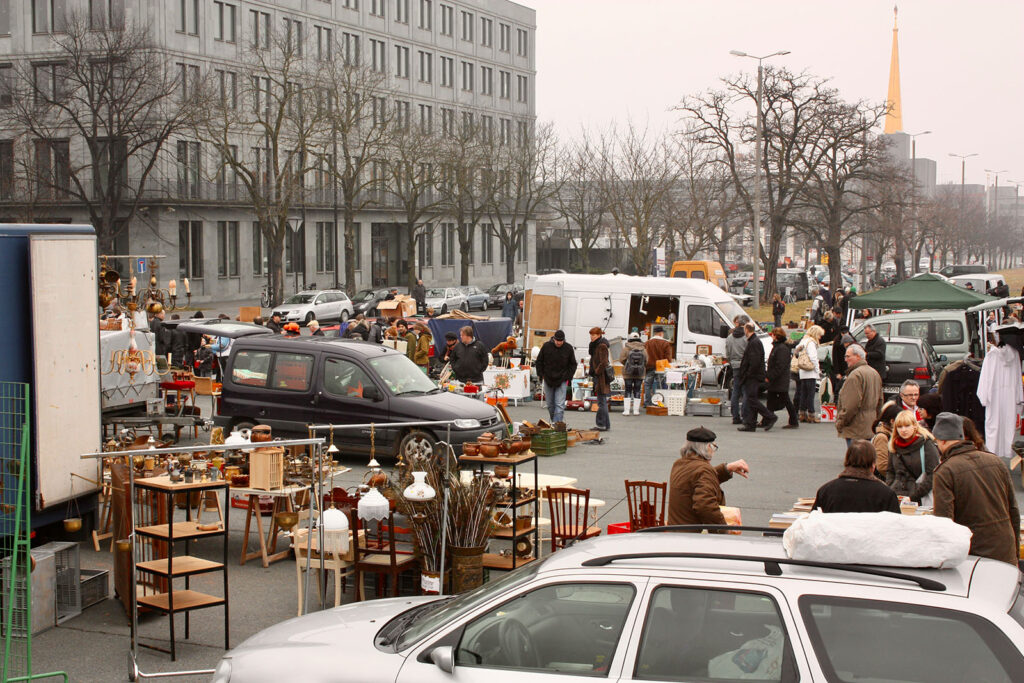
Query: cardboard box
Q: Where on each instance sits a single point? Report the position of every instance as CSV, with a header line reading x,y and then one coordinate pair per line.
x,y
247,314
401,306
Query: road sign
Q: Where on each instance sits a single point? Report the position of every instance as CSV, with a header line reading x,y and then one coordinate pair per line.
x,y
142,265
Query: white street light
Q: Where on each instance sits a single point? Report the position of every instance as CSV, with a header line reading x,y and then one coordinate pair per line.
x,y
757,175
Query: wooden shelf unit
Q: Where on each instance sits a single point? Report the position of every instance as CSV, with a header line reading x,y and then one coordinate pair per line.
x,y
513,502
183,567
503,563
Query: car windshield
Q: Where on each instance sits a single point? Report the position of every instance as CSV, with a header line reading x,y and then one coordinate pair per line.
x,y
299,299
731,309
401,375
363,295
435,292
429,621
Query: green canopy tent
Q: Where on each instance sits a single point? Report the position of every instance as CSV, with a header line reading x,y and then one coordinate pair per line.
x,y
926,291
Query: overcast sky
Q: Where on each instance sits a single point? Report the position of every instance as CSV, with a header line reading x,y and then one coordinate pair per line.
x,y
961,63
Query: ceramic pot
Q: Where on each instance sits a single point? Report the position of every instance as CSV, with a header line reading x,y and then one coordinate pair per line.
x,y
505,447
486,436
261,433
489,450
502,471
518,446
470,448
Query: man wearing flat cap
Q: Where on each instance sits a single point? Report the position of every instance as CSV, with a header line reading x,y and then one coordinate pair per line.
x,y
555,365
695,491
973,488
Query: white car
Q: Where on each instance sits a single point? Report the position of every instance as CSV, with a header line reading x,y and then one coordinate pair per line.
x,y
445,299
327,304
666,607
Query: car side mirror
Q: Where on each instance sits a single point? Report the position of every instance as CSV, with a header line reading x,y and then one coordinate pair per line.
x,y
723,331
443,658
371,393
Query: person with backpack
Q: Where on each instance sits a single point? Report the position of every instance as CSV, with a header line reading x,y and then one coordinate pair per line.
x,y
634,369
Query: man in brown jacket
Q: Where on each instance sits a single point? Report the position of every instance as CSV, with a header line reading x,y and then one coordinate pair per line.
x,y
694,489
657,348
599,364
973,488
860,398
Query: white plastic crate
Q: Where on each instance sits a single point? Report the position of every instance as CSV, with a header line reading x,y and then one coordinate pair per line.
x,y
676,404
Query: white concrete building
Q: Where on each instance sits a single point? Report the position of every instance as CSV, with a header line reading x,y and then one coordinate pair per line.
x,y
444,58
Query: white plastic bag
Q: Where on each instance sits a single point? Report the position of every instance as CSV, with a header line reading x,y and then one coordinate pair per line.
x,y
758,659
879,538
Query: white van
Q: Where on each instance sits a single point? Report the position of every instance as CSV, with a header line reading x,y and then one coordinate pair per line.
x,y
702,312
980,282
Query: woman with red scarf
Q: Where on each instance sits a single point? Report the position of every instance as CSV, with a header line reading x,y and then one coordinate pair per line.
x,y
913,456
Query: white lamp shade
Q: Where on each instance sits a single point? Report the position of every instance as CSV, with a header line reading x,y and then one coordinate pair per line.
x,y
419,489
373,506
373,464
334,520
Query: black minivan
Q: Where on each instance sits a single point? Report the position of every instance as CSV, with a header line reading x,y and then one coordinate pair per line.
x,y
289,383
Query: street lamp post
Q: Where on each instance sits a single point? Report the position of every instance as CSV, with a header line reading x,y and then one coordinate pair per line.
x,y
757,174
913,198
963,172
1016,201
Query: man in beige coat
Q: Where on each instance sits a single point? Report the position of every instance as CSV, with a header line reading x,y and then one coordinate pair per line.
x,y
860,399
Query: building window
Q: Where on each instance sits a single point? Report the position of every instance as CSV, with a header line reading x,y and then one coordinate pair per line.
x,y
47,83
486,32
325,247
523,132
522,42
402,114
487,128
188,81
506,131
324,44
350,47
350,4
6,169
426,14
378,59
504,37
486,243
486,80
401,61
103,14
467,26
447,20
53,168
188,17
426,246
467,124
295,250
357,247
188,170
227,176
427,118
521,244
506,84
190,249
426,67
377,7
293,37
448,244
522,84
261,96
260,23
227,248
6,85
260,266
380,110
225,15
228,82
448,122
448,72
467,76
402,11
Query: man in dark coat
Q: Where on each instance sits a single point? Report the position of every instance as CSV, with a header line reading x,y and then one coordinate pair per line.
x,y
694,487
161,336
751,376
857,489
469,358
419,294
973,488
179,344
779,377
274,324
555,365
600,361
875,350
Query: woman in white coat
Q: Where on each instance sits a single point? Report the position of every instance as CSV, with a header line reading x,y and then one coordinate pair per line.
x,y
806,385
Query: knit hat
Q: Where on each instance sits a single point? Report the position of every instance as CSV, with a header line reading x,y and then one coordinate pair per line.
x,y
701,435
559,335
948,427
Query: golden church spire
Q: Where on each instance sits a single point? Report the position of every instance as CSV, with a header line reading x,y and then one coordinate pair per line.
x,y
894,118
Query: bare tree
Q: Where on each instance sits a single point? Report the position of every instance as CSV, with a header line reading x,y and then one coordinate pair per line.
x,y
466,184
792,114
270,136
525,181
636,174
95,117
579,200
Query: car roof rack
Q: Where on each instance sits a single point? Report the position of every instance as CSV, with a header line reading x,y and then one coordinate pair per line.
x,y
767,530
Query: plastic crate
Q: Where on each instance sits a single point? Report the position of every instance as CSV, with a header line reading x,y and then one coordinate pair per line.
x,y
548,439
712,392
676,404
545,452
703,409
67,587
95,586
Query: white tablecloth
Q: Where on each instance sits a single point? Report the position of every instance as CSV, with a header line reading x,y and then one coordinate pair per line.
x,y
518,382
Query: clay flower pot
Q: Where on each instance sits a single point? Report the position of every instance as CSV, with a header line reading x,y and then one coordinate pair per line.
x,y
489,450
470,448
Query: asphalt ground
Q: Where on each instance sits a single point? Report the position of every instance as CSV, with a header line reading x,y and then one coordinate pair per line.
x,y
784,465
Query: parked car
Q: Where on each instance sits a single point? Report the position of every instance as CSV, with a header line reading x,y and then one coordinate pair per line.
x,y
738,279
985,283
365,301
326,304
666,607
475,297
964,269
497,294
444,299
909,358
950,333
291,383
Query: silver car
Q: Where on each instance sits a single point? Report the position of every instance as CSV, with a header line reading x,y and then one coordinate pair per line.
x,y
666,607
327,304
445,299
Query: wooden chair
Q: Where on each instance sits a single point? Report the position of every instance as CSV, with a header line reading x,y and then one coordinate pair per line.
x,y
335,558
646,502
570,508
205,387
378,553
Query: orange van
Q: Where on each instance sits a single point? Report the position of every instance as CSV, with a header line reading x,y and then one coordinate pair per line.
x,y
711,271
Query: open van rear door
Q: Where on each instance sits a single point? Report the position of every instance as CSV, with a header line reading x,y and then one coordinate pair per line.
x,y
542,312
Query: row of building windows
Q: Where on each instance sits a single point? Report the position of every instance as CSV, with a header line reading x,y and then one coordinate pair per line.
x,y
191,255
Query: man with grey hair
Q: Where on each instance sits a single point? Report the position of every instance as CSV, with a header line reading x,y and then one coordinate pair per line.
x,y
874,348
695,491
860,399
910,391
973,488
